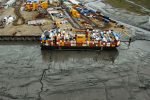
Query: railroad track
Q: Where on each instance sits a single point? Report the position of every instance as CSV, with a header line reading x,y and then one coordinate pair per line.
x,y
71,20
94,25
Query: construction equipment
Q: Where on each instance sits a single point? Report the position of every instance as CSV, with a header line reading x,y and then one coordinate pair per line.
x,y
80,38
75,13
32,5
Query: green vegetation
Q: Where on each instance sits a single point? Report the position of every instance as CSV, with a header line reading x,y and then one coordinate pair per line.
x,y
144,3
123,4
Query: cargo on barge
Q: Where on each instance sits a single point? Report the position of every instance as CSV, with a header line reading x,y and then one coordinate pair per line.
x,y
79,39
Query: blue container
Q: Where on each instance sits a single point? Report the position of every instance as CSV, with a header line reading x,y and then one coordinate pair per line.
x,y
91,11
82,13
86,11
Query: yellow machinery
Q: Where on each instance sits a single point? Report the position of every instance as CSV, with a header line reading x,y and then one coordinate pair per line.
x,y
44,5
81,38
75,13
35,5
28,6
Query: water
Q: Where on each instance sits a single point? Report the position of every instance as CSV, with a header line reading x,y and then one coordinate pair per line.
x,y
27,73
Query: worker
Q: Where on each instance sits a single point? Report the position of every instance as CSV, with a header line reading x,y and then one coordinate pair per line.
x,y
129,42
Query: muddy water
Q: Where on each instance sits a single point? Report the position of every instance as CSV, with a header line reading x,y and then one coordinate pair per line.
x,y
27,73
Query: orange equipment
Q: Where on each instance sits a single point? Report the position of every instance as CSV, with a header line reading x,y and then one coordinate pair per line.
x,y
80,38
28,6
35,5
75,13
44,5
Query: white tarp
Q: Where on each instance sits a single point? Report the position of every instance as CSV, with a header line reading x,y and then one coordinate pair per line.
x,y
32,0
74,2
52,11
36,22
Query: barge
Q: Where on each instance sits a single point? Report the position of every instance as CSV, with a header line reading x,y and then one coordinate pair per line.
x,y
79,39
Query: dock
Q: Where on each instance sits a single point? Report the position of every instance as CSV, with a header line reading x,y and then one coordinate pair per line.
x,y
32,23
19,38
